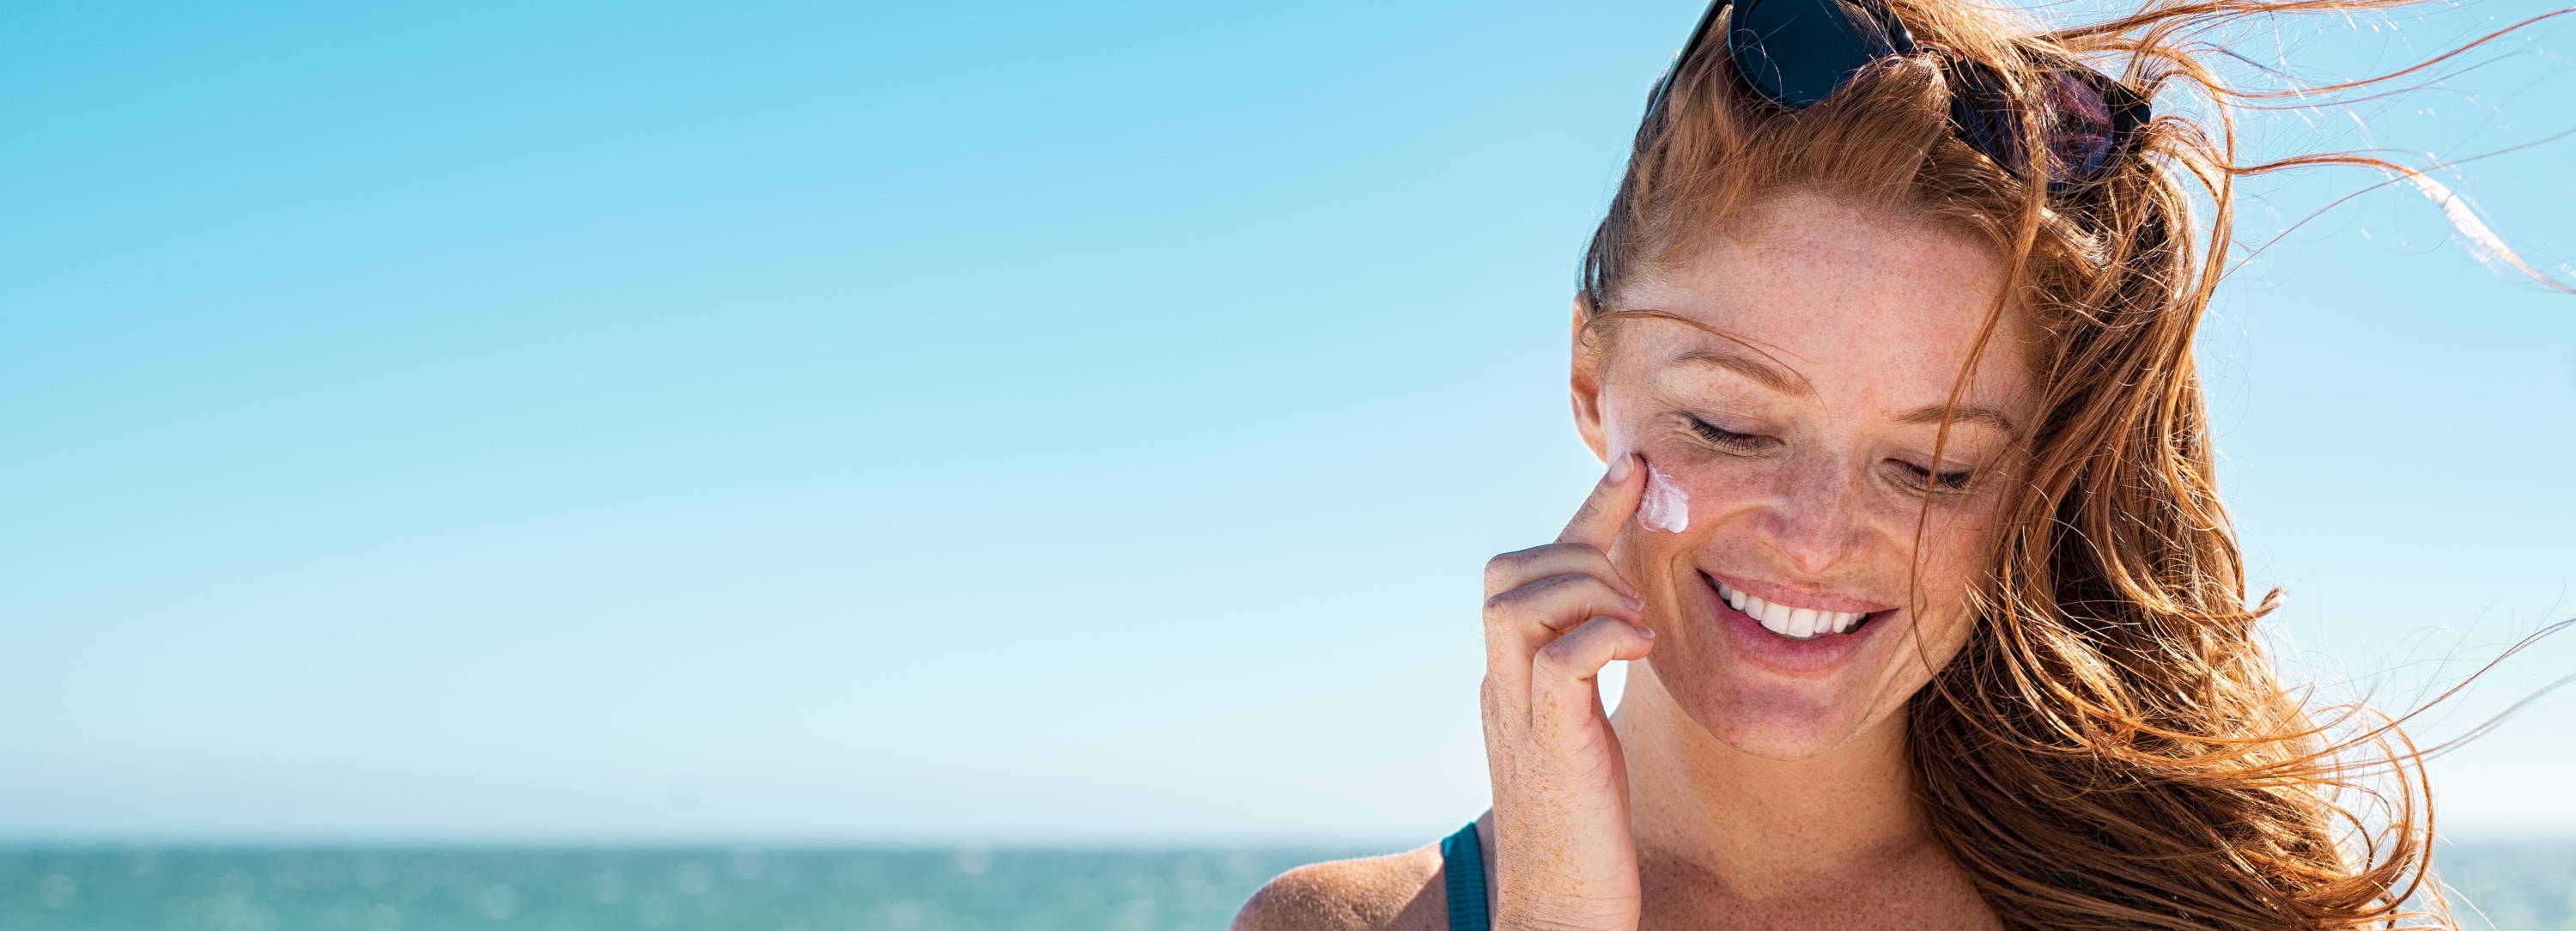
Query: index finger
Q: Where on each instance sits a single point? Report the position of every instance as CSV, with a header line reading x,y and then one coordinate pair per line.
x,y
1611,504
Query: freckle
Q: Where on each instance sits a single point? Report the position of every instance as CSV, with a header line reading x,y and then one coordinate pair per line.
x,y
1666,507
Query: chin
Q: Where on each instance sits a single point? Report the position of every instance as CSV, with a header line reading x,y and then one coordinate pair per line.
x,y
1766,719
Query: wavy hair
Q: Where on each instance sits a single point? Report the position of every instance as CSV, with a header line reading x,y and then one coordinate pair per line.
x,y
2112,747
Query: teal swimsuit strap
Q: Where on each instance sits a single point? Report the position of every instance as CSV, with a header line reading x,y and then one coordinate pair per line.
x,y
1463,859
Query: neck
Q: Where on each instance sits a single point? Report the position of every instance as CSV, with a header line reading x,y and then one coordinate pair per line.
x,y
1761,824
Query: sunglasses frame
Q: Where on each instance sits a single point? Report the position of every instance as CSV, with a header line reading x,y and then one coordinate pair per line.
x,y
1980,112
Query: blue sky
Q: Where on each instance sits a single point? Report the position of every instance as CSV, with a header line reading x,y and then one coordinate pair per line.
x,y
1067,424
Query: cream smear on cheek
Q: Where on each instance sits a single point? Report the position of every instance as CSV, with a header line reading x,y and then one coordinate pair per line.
x,y
1666,507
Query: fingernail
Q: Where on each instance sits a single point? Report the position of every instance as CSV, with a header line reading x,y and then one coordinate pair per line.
x,y
1620,468
1633,603
1649,632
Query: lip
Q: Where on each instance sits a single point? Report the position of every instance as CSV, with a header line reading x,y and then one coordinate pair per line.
x,y
1759,646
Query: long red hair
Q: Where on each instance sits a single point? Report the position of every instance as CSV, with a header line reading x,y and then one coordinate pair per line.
x,y
2113,747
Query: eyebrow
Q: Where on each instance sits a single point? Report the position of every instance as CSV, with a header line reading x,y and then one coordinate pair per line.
x,y
1773,378
1747,366
1963,415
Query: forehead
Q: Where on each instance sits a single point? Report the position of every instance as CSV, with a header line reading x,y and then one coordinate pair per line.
x,y
1863,305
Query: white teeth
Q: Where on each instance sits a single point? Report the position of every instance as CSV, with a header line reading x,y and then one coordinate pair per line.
x,y
1802,623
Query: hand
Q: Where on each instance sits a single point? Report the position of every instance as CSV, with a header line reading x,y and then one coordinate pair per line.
x,y
1554,615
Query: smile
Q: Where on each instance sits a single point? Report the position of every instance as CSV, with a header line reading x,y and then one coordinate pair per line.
x,y
1792,621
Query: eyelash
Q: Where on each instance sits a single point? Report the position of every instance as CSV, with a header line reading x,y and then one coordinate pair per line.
x,y
1949,481
1720,436
1725,437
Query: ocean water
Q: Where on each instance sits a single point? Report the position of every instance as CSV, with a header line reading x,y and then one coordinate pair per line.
x,y
2518,887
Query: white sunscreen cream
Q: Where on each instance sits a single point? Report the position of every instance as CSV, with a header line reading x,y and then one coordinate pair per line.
x,y
1666,507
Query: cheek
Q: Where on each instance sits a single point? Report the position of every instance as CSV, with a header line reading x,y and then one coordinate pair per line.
x,y
1957,539
1690,490
1956,549
1666,506
1687,484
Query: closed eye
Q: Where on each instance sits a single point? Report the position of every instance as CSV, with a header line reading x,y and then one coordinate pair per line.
x,y
1946,481
1726,438
1916,477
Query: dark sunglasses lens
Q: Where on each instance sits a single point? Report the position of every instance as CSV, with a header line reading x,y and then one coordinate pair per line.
x,y
2080,124
1796,52
2083,131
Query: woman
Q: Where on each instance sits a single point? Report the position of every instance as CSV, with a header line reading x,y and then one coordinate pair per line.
x,y
1909,517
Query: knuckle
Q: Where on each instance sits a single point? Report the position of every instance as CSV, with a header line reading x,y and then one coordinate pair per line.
x,y
1556,656
1500,570
1566,652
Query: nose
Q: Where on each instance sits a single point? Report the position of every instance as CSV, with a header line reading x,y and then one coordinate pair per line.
x,y
1811,521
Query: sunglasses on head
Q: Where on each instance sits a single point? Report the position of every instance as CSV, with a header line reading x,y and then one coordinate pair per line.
x,y
1796,52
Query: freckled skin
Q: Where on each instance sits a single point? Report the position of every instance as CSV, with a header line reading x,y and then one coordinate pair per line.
x,y
1756,798
1878,319
1775,790
1666,506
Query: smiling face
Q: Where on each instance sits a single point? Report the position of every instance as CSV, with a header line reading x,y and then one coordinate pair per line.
x,y
1793,470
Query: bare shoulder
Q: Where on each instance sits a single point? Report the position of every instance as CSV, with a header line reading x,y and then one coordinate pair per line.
x,y
1395,892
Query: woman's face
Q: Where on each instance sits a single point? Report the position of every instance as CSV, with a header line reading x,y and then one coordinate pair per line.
x,y
1798,478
